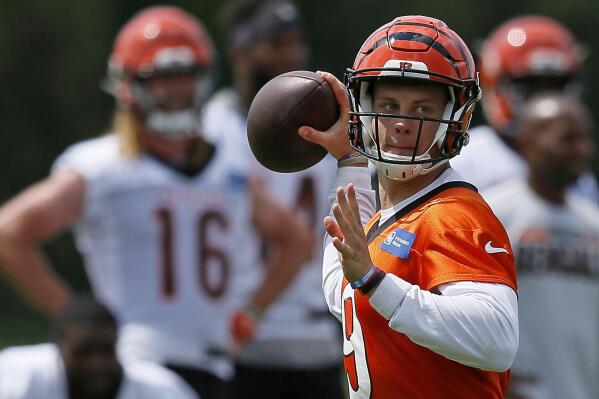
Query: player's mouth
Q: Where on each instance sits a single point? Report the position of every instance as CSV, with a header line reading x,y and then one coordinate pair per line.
x,y
398,149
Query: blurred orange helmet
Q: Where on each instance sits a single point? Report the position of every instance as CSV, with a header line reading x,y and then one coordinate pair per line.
x,y
522,56
161,40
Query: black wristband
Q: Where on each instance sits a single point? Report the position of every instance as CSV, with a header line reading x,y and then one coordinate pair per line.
x,y
372,281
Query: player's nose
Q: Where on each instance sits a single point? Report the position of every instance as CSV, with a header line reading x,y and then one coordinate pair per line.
x,y
403,126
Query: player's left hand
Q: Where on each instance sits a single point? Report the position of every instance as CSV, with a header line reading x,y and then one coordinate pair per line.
x,y
243,327
348,235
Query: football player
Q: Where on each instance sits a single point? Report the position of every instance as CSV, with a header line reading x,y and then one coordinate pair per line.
x,y
292,349
555,237
523,56
164,219
82,363
426,291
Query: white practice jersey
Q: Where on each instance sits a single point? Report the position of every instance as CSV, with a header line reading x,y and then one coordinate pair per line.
x,y
297,330
164,250
37,372
487,160
556,249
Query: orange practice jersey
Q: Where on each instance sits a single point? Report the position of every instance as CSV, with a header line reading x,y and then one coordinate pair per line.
x,y
449,228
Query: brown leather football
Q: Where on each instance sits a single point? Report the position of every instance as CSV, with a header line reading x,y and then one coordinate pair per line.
x,y
281,107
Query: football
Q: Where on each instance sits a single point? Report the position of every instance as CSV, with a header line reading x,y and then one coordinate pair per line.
x,y
281,107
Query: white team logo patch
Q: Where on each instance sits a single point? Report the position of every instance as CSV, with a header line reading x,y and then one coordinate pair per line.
x,y
406,65
494,250
389,238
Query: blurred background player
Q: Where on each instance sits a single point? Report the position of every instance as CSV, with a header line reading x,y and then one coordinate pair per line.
x,y
555,237
523,56
163,219
292,349
81,362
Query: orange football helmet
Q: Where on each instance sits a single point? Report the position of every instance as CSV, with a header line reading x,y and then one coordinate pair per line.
x,y
414,48
161,40
522,56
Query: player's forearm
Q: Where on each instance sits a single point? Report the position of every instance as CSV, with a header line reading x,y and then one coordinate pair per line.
x,y
332,278
360,177
475,327
26,268
332,274
282,267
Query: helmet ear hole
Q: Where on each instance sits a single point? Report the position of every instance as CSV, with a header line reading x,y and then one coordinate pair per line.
x,y
453,142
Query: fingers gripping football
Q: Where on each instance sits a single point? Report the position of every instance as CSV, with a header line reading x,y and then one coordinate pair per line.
x,y
335,140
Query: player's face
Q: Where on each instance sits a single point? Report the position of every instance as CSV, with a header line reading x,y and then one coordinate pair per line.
x,y
172,92
282,53
90,359
528,86
562,148
400,135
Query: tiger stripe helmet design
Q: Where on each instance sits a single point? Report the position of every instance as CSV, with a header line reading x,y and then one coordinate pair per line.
x,y
415,48
525,48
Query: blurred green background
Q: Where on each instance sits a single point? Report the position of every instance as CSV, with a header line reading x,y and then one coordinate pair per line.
x,y
54,53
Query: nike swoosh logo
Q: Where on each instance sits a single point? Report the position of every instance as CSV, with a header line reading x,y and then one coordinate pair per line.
x,y
494,250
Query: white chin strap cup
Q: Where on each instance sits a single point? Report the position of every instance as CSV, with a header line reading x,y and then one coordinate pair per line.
x,y
183,123
403,172
399,172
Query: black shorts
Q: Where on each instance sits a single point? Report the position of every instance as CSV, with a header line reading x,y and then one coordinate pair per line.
x,y
207,386
277,383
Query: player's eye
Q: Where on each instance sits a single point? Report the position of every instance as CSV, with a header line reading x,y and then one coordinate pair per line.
x,y
387,107
422,110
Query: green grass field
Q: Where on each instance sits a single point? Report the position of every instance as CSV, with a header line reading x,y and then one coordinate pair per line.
x,y
19,324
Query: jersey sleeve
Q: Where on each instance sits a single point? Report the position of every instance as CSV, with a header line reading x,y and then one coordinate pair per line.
x,y
13,382
469,249
31,372
332,272
91,159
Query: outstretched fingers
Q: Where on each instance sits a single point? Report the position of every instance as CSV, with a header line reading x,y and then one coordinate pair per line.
x,y
353,204
332,228
343,223
351,220
334,231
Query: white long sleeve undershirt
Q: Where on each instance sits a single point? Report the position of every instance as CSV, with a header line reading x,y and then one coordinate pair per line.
x,y
475,324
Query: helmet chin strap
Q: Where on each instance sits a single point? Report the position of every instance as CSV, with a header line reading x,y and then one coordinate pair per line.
x,y
404,172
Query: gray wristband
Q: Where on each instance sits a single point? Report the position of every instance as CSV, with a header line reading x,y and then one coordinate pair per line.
x,y
352,161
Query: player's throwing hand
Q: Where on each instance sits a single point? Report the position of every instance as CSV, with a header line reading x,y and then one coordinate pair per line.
x,y
335,138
